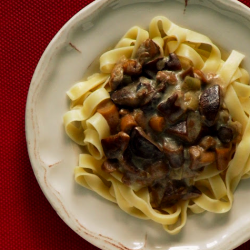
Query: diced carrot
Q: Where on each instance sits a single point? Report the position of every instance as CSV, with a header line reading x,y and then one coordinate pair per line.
x,y
157,123
110,112
223,156
127,123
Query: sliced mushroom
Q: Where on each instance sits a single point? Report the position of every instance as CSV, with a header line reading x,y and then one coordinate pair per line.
x,y
174,153
142,145
171,109
146,90
135,94
140,119
110,165
116,76
210,102
173,63
225,134
188,130
187,72
157,192
208,142
166,77
194,126
155,65
132,67
191,192
115,145
200,158
127,96
147,51
173,193
122,72
158,170
179,130
190,174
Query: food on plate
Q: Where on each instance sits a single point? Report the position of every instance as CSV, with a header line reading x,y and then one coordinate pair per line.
x,y
166,125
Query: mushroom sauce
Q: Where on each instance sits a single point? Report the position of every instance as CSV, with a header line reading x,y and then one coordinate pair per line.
x,y
168,122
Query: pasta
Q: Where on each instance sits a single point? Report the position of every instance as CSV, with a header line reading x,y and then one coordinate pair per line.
x,y
87,127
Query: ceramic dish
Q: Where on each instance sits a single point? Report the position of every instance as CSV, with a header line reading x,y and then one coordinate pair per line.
x,y
68,58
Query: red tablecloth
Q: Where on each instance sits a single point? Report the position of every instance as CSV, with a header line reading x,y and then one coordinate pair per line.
x,y
27,219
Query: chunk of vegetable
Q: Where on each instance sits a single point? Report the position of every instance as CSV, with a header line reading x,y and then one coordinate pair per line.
x,y
128,123
191,83
157,123
109,111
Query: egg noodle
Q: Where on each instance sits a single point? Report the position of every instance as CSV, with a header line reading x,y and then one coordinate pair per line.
x,y
87,127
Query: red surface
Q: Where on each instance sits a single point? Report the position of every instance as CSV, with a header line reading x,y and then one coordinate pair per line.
x,y
27,219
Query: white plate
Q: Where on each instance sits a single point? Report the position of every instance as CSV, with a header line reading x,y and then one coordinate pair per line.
x,y
53,156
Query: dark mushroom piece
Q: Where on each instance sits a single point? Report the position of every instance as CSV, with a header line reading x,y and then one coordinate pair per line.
x,y
135,94
179,130
140,118
116,76
189,130
208,143
200,158
126,164
194,126
147,51
155,64
143,146
191,192
173,193
166,77
146,90
140,179
158,170
187,72
122,72
171,109
127,96
210,102
225,134
132,67
154,172
110,165
174,153
157,192
188,173
173,63
115,145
